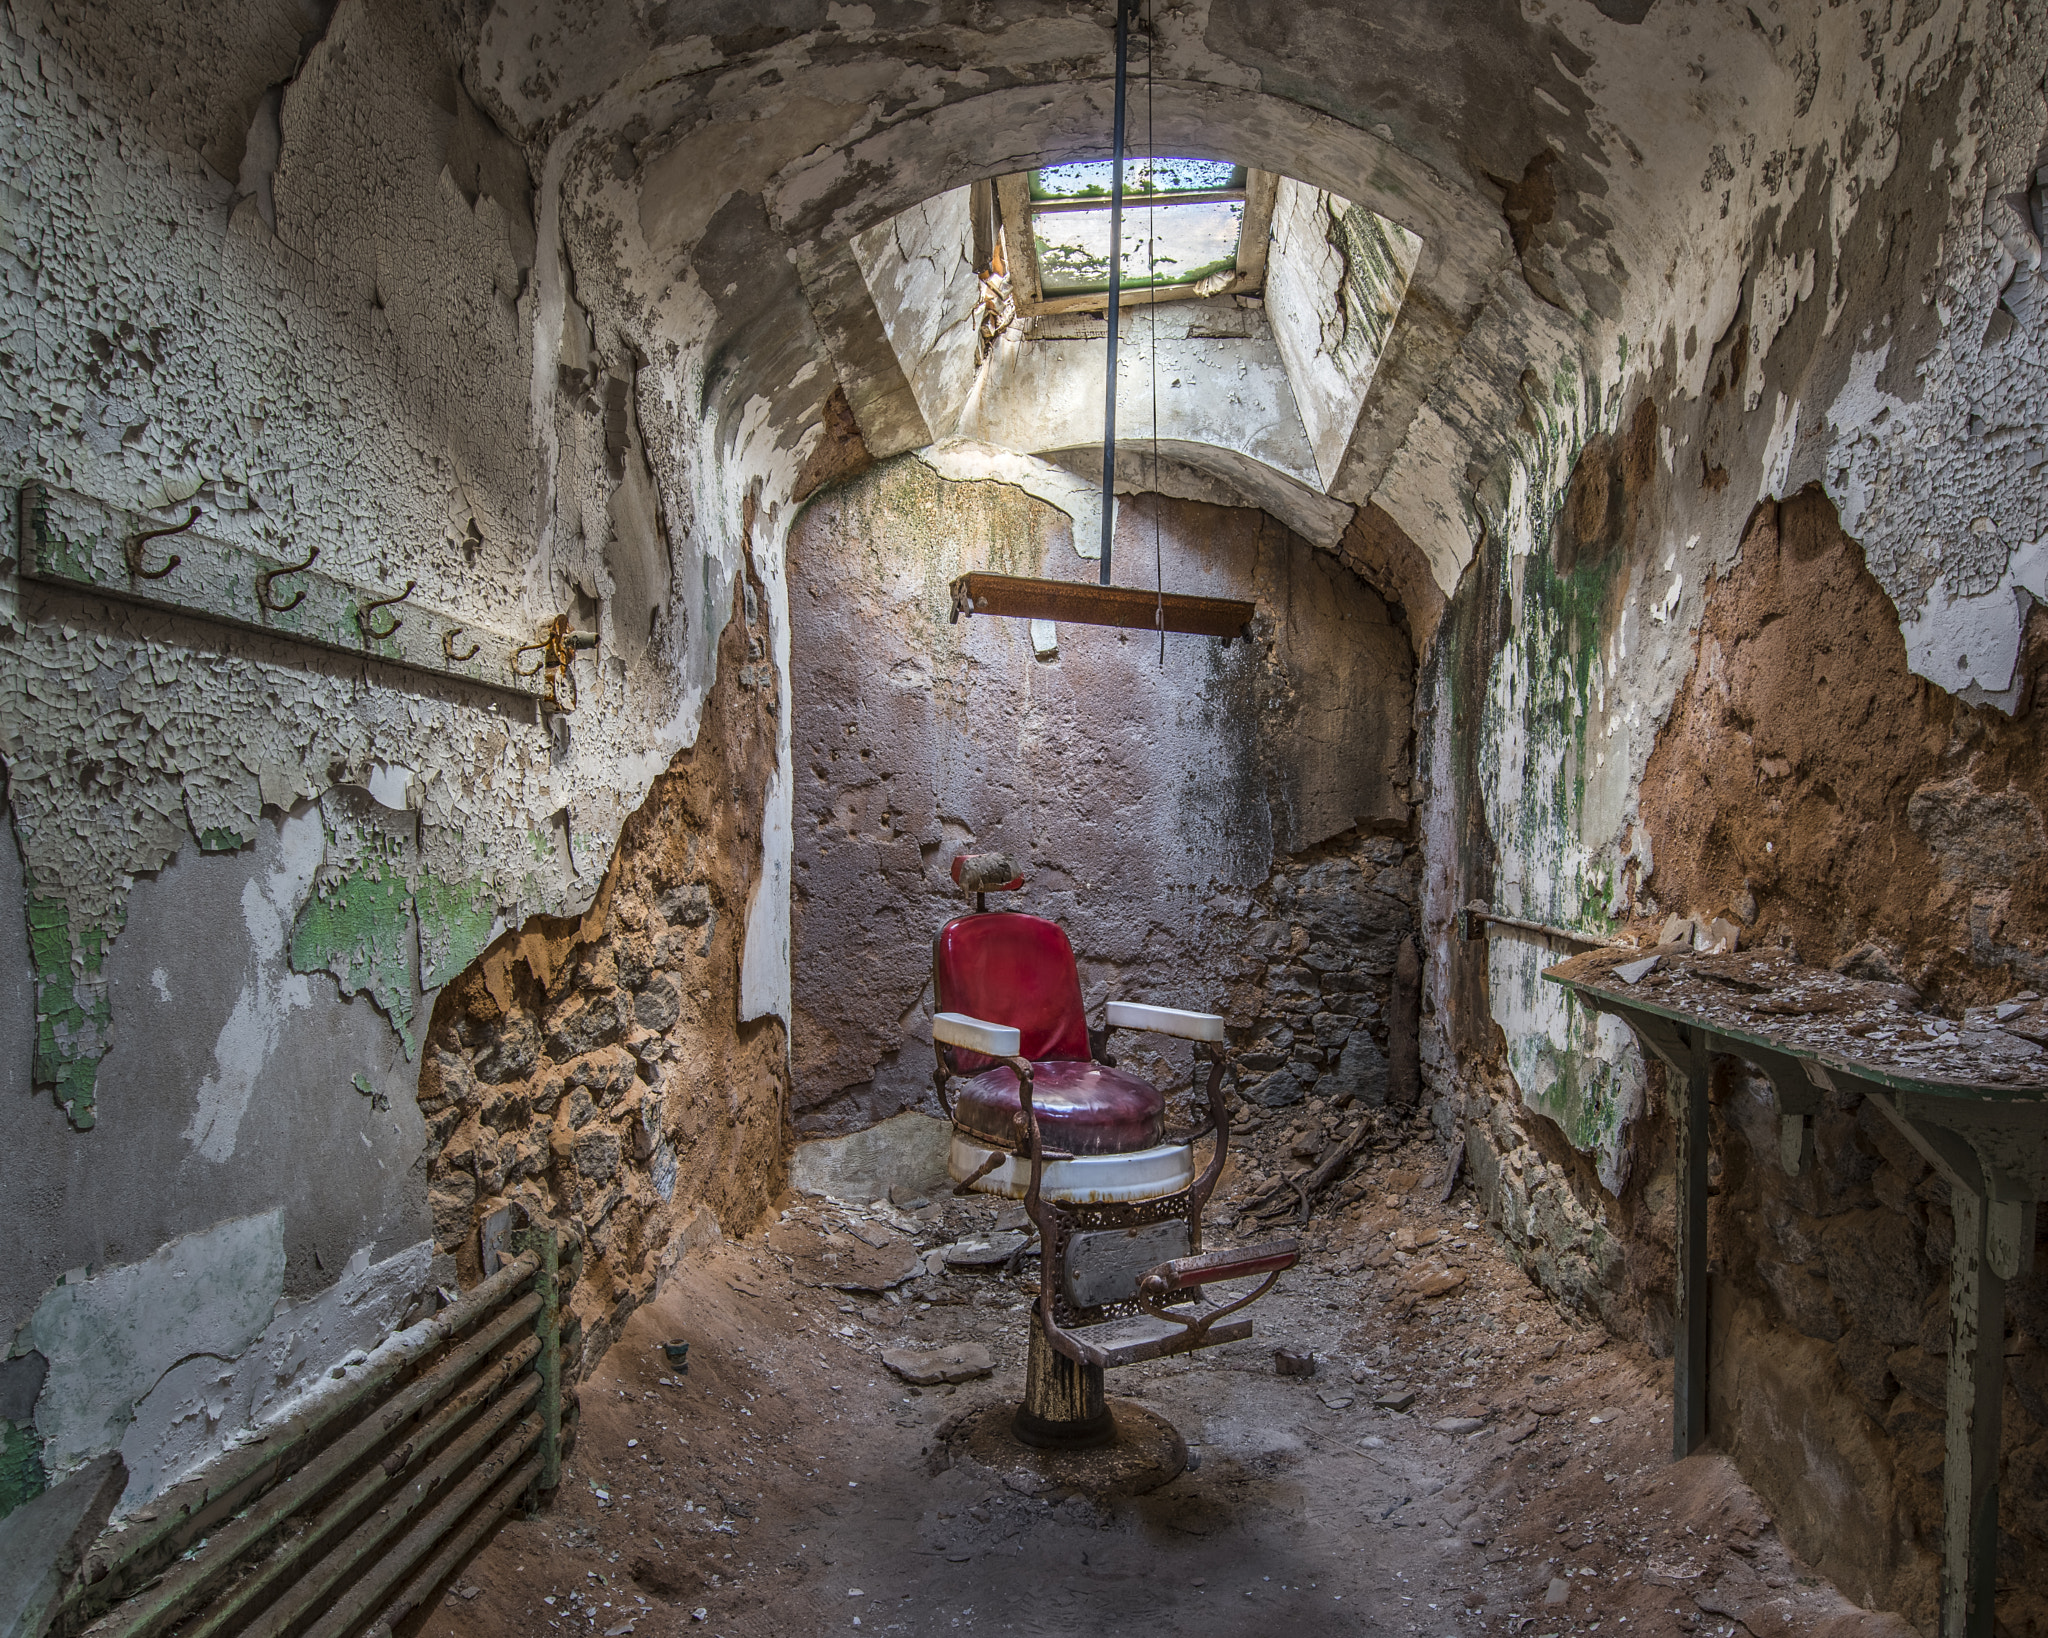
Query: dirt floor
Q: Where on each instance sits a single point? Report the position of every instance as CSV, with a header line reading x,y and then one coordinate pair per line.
x,y
1464,1460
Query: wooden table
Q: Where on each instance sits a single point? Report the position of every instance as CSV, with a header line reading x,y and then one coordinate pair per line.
x,y
1971,1098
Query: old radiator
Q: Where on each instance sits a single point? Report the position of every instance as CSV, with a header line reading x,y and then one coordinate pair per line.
x,y
350,1517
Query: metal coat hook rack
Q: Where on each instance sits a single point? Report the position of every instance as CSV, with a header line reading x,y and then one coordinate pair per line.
x,y
366,614
138,541
82,545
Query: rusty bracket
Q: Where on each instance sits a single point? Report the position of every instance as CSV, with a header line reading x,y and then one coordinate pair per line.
x,y
557,649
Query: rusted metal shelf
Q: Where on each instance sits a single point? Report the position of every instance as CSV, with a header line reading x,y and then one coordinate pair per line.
x,y
1977,1113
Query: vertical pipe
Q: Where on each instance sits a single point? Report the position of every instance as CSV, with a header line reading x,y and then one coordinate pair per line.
x,y
1689,1341
1116,279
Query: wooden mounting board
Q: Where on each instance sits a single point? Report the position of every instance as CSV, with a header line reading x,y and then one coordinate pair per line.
x,y
79,543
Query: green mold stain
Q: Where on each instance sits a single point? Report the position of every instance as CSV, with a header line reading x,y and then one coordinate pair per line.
x,y
22,1478
1543,696
73,1015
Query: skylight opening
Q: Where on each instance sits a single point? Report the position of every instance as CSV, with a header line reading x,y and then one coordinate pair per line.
x,y
1192,228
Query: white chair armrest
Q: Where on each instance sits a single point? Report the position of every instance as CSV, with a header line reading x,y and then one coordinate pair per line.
x,y
1189,1026
976,1035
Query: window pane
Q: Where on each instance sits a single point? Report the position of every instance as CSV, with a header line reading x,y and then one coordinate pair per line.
x,y
1193,242
1090,179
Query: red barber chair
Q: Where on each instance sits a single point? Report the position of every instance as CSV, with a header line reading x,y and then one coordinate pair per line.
x,y
1041,1113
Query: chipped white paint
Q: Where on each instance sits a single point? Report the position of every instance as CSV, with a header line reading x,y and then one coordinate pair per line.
x,y
1219,382
1330,315
967,461
206,1403
111,1337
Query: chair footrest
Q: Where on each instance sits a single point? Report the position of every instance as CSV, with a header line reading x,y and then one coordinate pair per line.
x,y
1231,1263
1142,1336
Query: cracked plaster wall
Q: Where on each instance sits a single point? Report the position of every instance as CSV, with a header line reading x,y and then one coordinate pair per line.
x,y
1335,275
1837,327
291,274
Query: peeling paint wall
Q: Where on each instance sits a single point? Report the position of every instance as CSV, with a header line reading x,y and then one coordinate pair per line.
x,y
1335,275
289,274
1592,759
541,309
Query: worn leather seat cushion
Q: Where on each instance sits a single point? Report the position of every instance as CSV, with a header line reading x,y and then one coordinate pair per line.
x,y
1083,1108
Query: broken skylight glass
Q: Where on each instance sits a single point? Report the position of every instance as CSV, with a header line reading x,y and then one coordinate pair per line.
x,y
1182,222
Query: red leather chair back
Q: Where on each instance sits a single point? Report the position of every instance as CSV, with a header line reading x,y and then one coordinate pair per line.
x,y
1005,967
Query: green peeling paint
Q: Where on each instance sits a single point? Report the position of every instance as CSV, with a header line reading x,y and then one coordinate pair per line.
x,y
360,930
455,921
21,1466
73,1015
1545,691
217,840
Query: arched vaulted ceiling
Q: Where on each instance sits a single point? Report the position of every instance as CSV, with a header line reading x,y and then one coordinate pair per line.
x,y
1552,161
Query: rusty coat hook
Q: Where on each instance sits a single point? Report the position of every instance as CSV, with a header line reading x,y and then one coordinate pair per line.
x,y
557,650
264,579
448,645
138,541
365,611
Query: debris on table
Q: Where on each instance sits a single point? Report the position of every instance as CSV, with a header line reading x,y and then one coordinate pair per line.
x,y
1814,1012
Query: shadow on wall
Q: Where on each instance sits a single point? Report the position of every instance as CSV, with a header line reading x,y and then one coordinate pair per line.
x,y
593,1071
1225,830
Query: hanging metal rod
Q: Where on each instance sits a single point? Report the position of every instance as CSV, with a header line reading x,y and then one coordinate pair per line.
x,y
1124,11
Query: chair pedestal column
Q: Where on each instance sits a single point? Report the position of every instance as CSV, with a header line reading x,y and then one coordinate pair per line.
x,y
1063,1407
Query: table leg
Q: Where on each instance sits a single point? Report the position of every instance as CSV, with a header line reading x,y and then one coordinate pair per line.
x,y
1689,1340
1976,1386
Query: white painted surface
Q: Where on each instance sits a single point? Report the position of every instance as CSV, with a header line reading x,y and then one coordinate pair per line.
x,y
271,991
111,1337
1188,1026
205,1404
976,1034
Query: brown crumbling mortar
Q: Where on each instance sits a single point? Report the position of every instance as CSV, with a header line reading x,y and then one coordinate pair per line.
x,y
593,1071
1817,791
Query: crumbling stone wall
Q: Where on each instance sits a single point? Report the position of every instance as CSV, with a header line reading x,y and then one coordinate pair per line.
x,y
1226,829
1828,1375
1811,787
593,1072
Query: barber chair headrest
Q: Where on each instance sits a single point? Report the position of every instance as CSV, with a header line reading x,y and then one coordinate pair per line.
x,y
986,873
